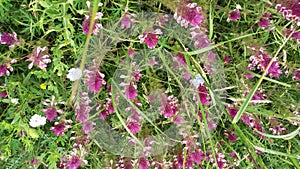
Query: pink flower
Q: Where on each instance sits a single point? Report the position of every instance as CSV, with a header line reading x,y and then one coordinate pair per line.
x,y
51,111
128,164
232,110
200,38
143,163
169,106
264,20
177,120
130,91
258,95
260,61
3,94
74,162
5,69
296,74
180,59
82,109
9,39
34,162
87,127
221,161
231,136
248,76
94,79
134,126
108,109
276,127
130,52
162,20
59,128
136,74
233,15
203,95
38,58
150,38
290,9
226,60
188,13
125,22
87,20
197,156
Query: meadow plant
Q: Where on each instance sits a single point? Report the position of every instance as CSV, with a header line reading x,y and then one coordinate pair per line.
x,y
149,84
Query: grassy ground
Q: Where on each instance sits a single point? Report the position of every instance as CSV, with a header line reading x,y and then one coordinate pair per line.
x,y
245,113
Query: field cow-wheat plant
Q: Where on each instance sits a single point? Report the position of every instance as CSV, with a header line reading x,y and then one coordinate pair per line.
x,y
149,84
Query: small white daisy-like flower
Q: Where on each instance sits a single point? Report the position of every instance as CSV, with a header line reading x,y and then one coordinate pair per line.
x,y
37,120
74,74
197,81
14,100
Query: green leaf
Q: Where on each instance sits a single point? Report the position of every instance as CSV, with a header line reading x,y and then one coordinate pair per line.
x,y
33,133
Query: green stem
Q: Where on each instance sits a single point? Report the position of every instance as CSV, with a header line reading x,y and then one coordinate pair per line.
x,y
86,47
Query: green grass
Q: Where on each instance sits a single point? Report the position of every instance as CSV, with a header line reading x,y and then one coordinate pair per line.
x,y
58,25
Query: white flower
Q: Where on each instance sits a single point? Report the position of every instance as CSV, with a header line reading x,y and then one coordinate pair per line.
x,y
14,100
37,120
197,81
238,6
74,74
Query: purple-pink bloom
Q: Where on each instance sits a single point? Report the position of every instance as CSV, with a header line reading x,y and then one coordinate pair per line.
x,y
59,128
9,39
86,24
180,59
188,13
94,79
51,113
38,58
264,20
248,76
134,126
3,94
136,74
143,163
74,162
177,120
130,91
108,109
260,61
5,69
233,15
226,60
87,127
231,110
150,38
233,154
231,136
34,161
258,95
203,95
197,156
169,106
296,74
290,9
200,38
125,22
130,52
82,109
